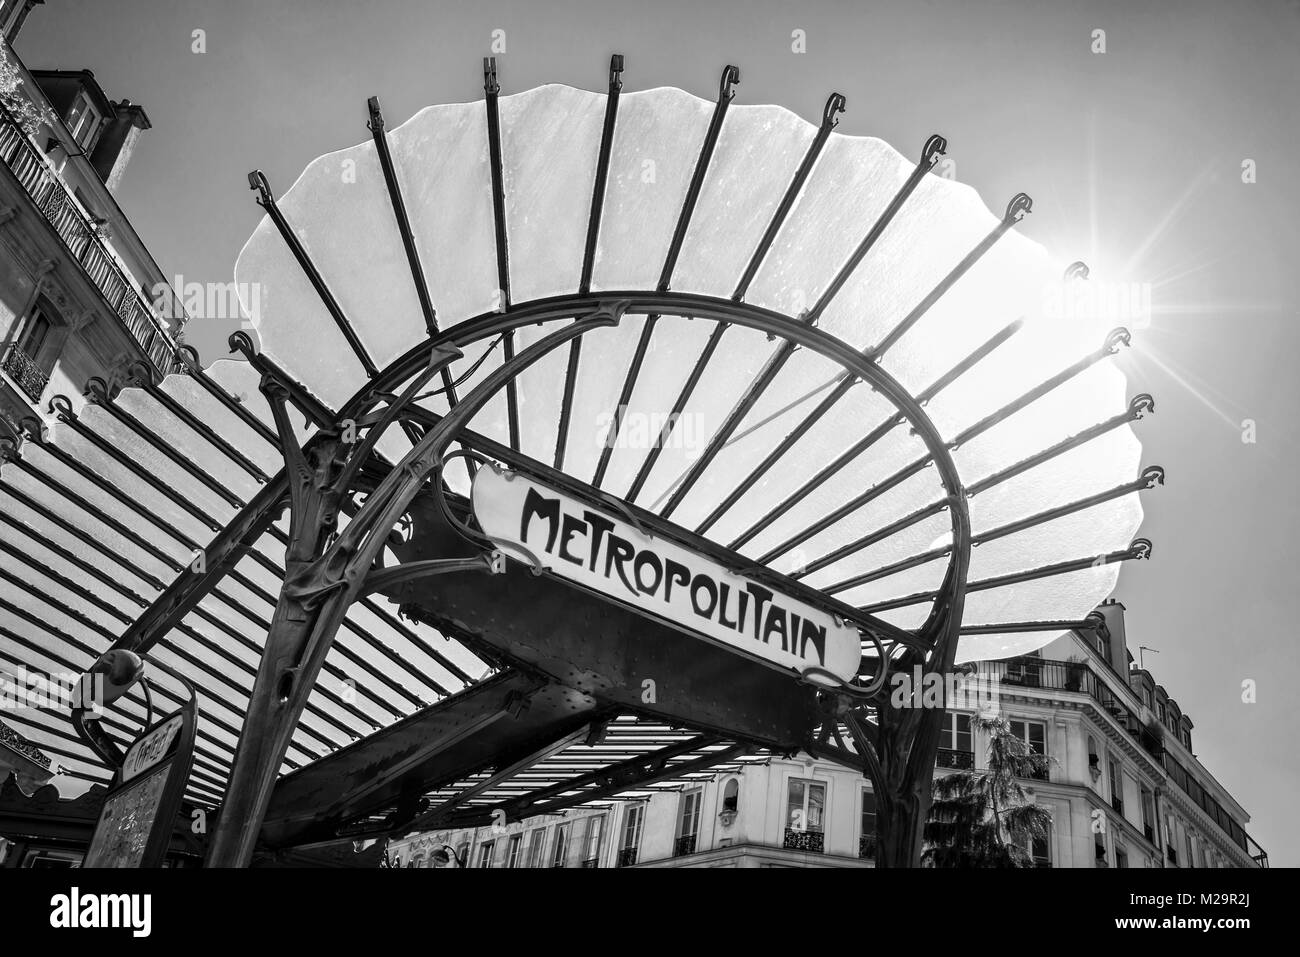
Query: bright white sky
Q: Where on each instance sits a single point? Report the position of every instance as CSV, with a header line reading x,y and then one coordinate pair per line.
x,y
1133,158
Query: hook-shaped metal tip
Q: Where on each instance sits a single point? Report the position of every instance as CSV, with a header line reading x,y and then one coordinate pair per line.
x,y
376,123
934,147
96,391
730,77
490,85
616,72
1153,475
61,406
1141,404
1141,548
257,180
835,105
241,342
1076,270
1020,206
32,428
1117,337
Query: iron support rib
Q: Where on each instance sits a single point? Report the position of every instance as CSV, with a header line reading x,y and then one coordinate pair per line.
x,y
1016,627
380,135
930,154
589,253
1149,479
876,434
726,93
1019,206
1010,528
1109,348
257,181
491,91
1141,548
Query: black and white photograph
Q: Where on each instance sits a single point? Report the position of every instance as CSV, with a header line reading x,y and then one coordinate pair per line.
x,y
643,435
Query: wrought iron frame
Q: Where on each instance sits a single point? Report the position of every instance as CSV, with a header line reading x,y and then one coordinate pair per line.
x,y
327,570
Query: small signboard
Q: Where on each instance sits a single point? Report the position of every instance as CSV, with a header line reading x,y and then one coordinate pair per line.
x,y
135,825
604,553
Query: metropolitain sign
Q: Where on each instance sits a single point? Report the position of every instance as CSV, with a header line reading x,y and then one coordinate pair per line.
x,y
606,554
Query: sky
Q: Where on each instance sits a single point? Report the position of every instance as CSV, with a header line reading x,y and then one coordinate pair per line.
x,y
1134,157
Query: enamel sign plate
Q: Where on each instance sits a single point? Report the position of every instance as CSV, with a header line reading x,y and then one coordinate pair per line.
x,y
608,555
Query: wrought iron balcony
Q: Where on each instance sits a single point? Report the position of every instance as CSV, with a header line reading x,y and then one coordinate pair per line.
x,y
626,857
589,862
81,238
956,760
685,845
1117,803
20,367
867,846
811,841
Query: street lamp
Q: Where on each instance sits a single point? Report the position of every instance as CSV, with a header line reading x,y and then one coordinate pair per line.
x,y
446,854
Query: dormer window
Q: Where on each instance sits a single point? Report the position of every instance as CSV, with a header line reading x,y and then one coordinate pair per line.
x,y
84,120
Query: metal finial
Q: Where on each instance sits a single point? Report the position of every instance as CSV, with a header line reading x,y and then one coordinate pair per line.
x,y
835,104
1141,404
935,147
1020,206
730,77
257,181
1117,337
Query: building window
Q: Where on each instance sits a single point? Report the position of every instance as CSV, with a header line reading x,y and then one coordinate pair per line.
x,y
83,120
1040,849
595,831
560,850
867,836
1034,734
805,815
536,845
1148,816
1121,857
1146,697
1099,850
1187,843
956,747
1116,786
688,823
485,853
462,853
630,847
731,795
512,849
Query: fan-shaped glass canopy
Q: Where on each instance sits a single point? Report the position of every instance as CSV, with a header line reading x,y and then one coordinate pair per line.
x,y
745,246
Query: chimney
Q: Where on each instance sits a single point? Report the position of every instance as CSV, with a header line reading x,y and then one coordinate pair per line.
x,y
1113,614
117,141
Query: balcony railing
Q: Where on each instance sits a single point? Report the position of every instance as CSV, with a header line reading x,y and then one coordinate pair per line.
x,y
956,760
20,367
626,857
1117,803
867,846
812,841
590,862
684,845
81,238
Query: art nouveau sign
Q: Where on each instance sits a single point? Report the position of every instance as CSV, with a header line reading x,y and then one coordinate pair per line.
x,y
608,555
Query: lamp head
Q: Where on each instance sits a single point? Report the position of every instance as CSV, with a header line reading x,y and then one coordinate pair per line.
x,y
113,675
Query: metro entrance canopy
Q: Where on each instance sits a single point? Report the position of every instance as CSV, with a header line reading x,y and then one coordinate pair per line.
x,y
867,411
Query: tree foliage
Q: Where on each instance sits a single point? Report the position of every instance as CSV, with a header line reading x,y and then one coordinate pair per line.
x,y
985,818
